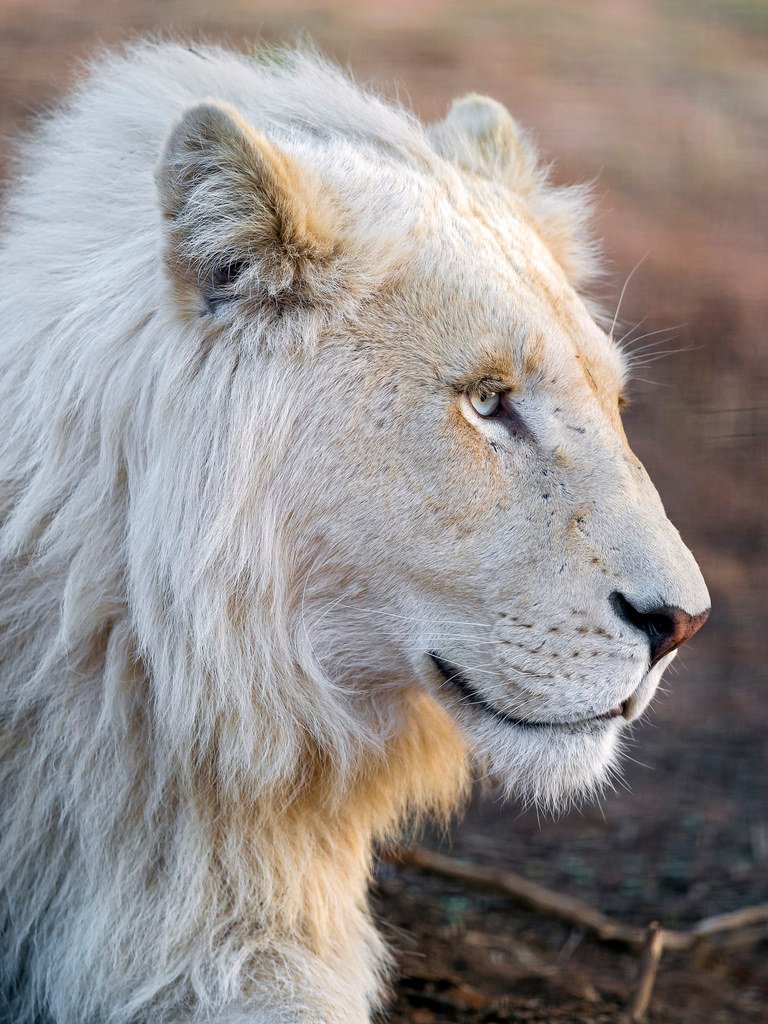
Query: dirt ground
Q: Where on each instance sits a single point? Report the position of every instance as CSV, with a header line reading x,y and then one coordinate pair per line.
x,y
664,104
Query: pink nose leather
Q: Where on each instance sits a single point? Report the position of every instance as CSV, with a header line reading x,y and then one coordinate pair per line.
x,y
667,627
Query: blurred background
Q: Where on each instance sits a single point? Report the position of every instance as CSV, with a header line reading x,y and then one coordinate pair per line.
x,y
664,104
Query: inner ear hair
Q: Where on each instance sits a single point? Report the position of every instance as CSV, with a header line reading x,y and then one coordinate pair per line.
x,y
236,204
221,285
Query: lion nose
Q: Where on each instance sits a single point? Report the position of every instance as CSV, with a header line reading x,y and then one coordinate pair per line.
x,y
666,627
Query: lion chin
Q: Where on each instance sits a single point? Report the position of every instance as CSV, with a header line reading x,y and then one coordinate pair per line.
x,y
551,763
315,504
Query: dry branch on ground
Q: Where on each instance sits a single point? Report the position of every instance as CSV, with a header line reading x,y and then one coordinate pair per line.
x,y
651,941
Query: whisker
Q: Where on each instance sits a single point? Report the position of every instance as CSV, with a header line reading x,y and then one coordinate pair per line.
x,y
632,353
646,380
660,330
623,290
625,336
654,358
642,764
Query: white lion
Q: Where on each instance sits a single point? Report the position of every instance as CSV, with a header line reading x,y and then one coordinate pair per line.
x,y
313,493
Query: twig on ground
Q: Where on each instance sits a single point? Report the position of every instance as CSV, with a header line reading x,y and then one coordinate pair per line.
x,y
652,940
529,894
569,908
649,964
733,921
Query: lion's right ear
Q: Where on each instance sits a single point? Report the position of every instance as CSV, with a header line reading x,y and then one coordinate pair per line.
x,y
244,218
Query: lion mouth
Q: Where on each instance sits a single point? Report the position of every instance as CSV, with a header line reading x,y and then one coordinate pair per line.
x,y
454,677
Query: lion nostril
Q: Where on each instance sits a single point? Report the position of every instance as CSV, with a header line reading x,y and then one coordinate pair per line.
x,y
666,627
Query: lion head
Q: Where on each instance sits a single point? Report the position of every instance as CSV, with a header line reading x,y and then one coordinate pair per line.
x,y
423,437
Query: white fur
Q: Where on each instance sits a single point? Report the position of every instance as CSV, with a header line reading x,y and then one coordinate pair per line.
x,y
231,533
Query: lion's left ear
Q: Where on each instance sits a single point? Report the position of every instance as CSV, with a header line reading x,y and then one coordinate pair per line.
x,y
480,136
243,216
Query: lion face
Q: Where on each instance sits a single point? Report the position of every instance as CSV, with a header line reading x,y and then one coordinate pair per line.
x,y
472,519
538,587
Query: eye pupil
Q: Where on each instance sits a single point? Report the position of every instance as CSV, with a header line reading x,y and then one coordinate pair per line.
x,y
484,401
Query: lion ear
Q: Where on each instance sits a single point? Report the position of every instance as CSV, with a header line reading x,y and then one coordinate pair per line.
x,y
243,216
479,135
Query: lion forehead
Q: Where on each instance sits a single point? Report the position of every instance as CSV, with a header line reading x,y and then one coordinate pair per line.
x,y
470,305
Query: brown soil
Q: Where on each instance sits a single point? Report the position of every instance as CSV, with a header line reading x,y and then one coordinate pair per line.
x,y
665,104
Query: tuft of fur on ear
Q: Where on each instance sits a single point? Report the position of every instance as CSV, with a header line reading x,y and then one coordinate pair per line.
x,y
481,137
245,218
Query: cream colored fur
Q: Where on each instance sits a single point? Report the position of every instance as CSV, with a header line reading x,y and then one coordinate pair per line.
x,y
243,495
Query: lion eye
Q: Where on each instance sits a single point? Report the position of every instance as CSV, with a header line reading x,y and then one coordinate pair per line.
x,y
484,401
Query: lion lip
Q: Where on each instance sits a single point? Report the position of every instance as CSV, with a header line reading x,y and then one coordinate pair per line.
x,y
454,677
616,712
